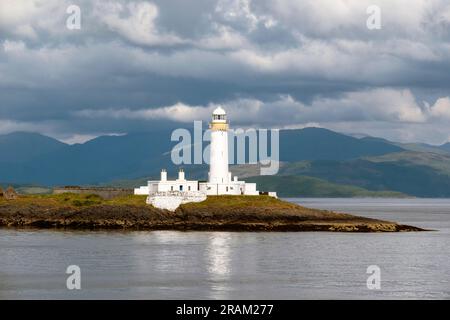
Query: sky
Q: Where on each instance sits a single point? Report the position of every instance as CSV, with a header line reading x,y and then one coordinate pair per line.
x,y
137,66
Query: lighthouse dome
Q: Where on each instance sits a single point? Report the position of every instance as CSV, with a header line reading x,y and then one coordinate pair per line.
x,y
219,111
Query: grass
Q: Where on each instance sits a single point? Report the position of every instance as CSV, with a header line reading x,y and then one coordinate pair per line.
x,y
86,200
238,201
75,200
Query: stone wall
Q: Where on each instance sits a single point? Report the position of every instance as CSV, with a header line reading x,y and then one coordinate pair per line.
x,y
105,193
171,200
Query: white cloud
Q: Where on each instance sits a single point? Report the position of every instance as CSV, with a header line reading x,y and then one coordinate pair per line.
x,y
77,138
343,18
82,138
178,112
385,112
11,46
441,109
223,38
8,126
382,105
240,13
25,19
17,15
136,22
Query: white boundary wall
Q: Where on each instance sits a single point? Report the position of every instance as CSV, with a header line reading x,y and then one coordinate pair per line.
x,y
171,200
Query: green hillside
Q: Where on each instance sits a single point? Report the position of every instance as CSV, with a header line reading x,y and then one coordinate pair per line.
x,y
303,186
437,161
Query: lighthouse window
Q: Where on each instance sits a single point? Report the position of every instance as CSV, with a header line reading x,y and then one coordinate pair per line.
x,y
189,188
219,117
181,188
227,189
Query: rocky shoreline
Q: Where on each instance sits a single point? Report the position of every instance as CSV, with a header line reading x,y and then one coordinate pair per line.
x,y
234,213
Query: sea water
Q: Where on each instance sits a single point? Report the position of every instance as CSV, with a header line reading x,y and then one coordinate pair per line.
x,y
238,265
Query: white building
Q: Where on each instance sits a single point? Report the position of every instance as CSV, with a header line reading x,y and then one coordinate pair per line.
x,y
169,194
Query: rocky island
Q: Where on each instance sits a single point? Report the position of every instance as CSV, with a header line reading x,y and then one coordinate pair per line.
x,y
217,213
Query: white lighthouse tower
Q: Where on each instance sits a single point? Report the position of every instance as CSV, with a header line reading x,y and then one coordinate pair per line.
x,y
220,181
218,163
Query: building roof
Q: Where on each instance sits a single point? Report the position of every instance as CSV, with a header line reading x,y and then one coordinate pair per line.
x,y
219,111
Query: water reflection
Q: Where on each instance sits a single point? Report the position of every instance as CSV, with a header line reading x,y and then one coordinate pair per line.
x,y
159,252
218,262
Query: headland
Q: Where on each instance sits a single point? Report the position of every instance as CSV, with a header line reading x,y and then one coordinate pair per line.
x,y
217,213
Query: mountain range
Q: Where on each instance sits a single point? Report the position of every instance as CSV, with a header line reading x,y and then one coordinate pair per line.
x,y
314,162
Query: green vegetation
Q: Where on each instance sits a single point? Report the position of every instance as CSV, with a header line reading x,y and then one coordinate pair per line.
x,y
421,147
239,201
404,176
86,200
436,161
76,200
304,186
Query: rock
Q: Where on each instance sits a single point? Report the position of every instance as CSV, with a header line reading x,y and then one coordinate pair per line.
x,y
1,192
10,194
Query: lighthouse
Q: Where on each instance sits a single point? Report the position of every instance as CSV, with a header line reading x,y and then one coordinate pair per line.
x,y
218,162
169,194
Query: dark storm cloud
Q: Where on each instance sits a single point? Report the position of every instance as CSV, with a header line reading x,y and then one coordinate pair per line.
x,y
141,65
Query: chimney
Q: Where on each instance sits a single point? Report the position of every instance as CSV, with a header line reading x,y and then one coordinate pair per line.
x,y
163,175
181,174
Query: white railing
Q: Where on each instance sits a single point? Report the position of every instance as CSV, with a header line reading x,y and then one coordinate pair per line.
x,y
177,193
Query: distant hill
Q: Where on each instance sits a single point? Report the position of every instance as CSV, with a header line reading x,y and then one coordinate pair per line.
x,y
323,144
334,161
437,161
445,147
423,147
401,176
102,159
303,186
418,147
36,159
413,173
23,146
